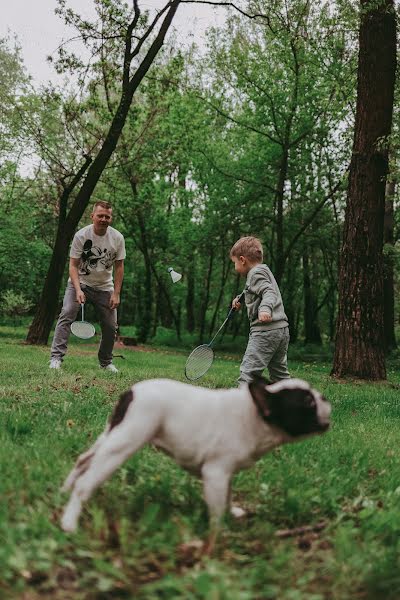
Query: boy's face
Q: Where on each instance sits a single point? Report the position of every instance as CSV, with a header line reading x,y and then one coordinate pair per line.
x,y
242,265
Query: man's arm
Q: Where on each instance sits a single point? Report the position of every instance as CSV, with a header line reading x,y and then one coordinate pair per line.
x,y
118,279
74,275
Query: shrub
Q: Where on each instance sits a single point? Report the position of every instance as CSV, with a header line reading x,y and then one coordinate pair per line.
x,y
14,304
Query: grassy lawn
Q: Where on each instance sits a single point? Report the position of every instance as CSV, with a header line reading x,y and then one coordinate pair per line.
x,y
128,544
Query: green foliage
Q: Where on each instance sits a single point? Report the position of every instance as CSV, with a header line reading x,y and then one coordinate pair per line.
x,y
24,253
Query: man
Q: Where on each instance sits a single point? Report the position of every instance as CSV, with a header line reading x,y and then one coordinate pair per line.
x,y
94,251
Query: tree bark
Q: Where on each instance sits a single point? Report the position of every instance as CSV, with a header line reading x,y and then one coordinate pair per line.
x,y
40,328
359,347
388,271
190,296
144,327
312,333
206,298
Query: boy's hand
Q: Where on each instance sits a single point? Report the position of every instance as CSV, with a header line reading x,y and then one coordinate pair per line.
x,y
264,317
235,303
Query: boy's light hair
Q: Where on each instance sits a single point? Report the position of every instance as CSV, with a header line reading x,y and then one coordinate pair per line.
x,y
250,247
103,204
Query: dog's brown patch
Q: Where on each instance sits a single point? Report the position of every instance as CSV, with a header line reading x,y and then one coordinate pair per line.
x,y
120,408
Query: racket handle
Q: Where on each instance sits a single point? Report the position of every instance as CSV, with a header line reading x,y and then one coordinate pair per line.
x,y
232,311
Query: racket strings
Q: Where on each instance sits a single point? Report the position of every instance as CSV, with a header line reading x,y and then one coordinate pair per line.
x,y
199,361
82,329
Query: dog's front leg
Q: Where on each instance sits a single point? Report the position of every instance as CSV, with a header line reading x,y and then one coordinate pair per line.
x,y
216,484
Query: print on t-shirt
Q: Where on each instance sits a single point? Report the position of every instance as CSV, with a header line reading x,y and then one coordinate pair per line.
x,y
94,258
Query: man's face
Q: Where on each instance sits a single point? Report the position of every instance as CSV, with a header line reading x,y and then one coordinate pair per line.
x,y
241,265
102,218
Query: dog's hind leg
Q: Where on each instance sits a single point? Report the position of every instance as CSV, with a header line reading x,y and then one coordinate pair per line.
x,y
120,443
83,462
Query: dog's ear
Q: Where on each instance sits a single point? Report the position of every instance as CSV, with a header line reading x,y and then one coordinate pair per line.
x,y
258,391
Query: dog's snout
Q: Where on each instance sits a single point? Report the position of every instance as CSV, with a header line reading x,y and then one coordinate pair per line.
x,y
324,413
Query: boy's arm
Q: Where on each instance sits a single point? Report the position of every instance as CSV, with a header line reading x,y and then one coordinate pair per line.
x,y
262,286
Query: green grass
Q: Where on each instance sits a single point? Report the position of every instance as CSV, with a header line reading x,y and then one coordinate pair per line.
x,y
128,544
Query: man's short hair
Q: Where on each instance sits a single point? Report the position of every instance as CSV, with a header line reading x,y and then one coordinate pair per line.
x,y
250,247
103,204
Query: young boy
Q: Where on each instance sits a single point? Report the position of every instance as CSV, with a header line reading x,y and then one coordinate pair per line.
x,y
269,330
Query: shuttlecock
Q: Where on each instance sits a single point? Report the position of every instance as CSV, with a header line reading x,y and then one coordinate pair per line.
x,y
174,275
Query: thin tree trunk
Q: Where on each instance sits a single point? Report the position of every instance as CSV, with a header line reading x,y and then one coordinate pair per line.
x,y
146,316
206,298
290,293
388,275
280,260
225,272
312,334
190,295
359,347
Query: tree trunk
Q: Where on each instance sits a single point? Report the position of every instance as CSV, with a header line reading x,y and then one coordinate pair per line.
x,y
224,277
290,296
280,258
190,296
206,297
48,304
388,276
359,339
312,334
144,326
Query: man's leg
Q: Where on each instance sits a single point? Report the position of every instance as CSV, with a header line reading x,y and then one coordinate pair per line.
x,y
68,314
277,366
108,324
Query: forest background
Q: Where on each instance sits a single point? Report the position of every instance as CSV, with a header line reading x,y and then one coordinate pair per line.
x,y
250,134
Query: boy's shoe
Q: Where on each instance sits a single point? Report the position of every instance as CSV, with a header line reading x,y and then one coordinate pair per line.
x,y
111,368
55,363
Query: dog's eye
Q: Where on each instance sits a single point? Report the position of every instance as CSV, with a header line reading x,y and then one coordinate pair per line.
x,y
309,400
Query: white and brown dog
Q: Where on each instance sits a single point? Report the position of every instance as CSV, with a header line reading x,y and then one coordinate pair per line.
x,y
211,433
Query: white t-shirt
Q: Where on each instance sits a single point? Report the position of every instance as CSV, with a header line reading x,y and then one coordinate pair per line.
x,y
97,255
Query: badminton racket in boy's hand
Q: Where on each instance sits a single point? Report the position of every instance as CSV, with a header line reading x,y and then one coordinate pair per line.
x,y
201,358
82,329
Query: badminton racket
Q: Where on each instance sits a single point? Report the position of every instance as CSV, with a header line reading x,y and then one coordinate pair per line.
x,y
82,329
202,357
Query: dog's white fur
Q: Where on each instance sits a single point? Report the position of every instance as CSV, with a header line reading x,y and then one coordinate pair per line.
x,y
211,433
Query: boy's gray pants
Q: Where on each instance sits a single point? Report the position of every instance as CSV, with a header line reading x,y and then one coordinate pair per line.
x,y
266,349
70,309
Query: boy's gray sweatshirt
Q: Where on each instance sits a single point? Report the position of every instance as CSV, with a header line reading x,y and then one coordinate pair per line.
x,y
262,294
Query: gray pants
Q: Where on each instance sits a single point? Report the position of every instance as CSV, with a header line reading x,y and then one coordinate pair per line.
x,y
108,322
266,349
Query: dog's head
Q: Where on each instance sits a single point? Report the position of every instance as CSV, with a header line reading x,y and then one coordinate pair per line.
x,y
292,405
